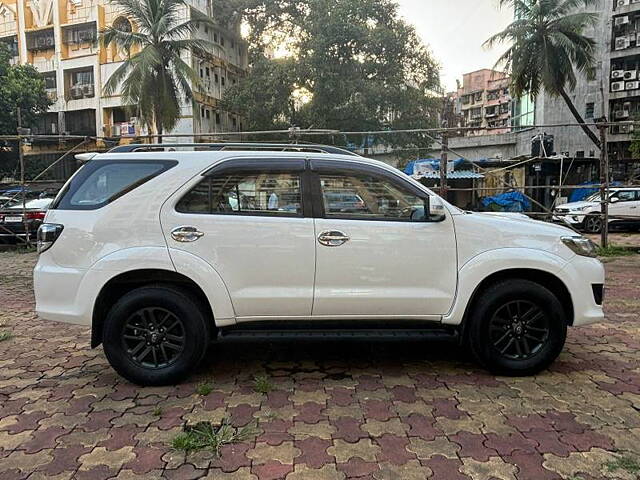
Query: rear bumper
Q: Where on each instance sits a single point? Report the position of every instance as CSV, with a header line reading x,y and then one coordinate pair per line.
x,y
58,293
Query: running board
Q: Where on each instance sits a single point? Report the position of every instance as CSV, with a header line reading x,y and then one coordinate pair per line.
x,y
236,334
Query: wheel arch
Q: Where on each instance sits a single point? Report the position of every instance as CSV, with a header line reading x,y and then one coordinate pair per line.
x,y
544,278
117,286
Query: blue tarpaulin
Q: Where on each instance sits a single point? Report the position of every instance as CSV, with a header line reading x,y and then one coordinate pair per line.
x,y
507,202
581,193
433,163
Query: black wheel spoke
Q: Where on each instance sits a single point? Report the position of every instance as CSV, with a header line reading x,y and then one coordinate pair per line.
x,y
506,334
144,353
175,338
137,348
507,346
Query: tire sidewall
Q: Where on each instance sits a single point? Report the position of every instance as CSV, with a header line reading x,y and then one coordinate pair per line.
x,y
176,301
497,296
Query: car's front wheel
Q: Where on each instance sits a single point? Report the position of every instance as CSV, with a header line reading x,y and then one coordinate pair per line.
x,y
155,335
518,327
592,223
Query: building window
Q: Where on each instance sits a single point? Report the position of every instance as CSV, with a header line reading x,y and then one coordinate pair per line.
x,y
215,77
222,81
590,110
215,37
221,40
217,119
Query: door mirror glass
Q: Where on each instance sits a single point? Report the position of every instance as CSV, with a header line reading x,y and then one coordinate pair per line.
x,y
436,209
614,199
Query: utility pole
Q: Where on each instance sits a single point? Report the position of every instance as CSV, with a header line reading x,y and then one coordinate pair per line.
x,y
25,223
604,183
443,165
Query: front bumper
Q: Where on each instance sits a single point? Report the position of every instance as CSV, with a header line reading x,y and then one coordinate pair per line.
x,y
580,275
568,218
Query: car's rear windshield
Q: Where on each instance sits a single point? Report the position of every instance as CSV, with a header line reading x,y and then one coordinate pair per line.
x,y
100,182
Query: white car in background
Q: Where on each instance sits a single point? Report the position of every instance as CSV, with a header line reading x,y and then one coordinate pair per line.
x,y
148,249
624,210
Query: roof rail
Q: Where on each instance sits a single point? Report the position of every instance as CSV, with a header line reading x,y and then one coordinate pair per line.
x,y
244,146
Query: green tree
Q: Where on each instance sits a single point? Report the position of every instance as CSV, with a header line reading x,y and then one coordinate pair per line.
x,y
359,64
548,49
154,78
21,86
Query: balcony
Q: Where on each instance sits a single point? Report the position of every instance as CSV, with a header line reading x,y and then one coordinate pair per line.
x,y
40,40
121,129
81,90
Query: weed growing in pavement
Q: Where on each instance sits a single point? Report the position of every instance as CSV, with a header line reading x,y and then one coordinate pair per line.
x,y
204,388
5,335
614,251
261,384
157,412
625,462
204,435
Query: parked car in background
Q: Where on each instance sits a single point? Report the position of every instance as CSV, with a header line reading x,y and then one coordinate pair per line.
x,y
147,249
624,210
12,225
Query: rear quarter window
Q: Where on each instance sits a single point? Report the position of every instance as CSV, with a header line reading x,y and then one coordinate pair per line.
x,y
100,182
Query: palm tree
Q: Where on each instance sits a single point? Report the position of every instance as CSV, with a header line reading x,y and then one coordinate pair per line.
x,y
548,48
155,78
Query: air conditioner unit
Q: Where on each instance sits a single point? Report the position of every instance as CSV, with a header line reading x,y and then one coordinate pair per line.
x,y
76,91
630,74
617,86
621,20
625,128
617,74
622,3
635,85
620,114
87,90
621,43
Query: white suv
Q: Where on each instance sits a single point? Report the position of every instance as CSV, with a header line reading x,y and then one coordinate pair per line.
x,y
624,210
162,253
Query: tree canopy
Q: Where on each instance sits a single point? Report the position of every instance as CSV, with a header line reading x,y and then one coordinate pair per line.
x,y
20,86
347,64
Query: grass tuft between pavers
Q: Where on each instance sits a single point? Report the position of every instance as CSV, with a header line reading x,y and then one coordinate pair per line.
x,y
206,436
625,462
5,335
261,384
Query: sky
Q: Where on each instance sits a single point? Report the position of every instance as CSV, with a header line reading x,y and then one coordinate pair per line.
x,y
455,31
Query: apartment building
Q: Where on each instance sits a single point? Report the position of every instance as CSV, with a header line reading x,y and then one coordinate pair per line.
x,y
623,74
484,101
60,39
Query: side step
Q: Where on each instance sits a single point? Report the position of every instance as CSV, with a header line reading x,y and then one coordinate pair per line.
x,y
383,334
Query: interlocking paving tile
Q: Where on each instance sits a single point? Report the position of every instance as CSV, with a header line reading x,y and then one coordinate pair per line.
x,y
336,411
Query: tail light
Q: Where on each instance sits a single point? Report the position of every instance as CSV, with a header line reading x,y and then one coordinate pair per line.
x,y
48,233
35,215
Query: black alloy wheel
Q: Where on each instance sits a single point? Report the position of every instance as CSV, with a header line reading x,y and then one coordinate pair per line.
x,y
153,337
519,329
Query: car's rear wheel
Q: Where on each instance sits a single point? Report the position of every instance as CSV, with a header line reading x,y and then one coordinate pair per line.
x,y
592,223
518,327
155,335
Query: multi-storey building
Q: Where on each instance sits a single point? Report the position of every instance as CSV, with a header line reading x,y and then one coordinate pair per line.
x,y
485,101
60,39
623,72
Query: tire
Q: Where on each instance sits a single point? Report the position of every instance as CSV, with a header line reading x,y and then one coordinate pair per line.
x,y
592,223
165,319
539,316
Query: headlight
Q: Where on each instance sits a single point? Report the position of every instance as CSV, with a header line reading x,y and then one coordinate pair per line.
x,y
579,209
580,245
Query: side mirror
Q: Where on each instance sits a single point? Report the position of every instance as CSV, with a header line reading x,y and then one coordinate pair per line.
x,y
434,206
614,200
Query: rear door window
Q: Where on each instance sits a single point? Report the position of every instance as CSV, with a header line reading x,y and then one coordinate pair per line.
x,y
102,181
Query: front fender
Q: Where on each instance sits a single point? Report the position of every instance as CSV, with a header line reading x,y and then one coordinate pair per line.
x,y
474,271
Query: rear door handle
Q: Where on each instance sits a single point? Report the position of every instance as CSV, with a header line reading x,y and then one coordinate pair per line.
x,y
333,238
186,234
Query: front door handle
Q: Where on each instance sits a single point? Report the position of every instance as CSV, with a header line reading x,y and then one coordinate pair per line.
x,y
333,238
186,233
